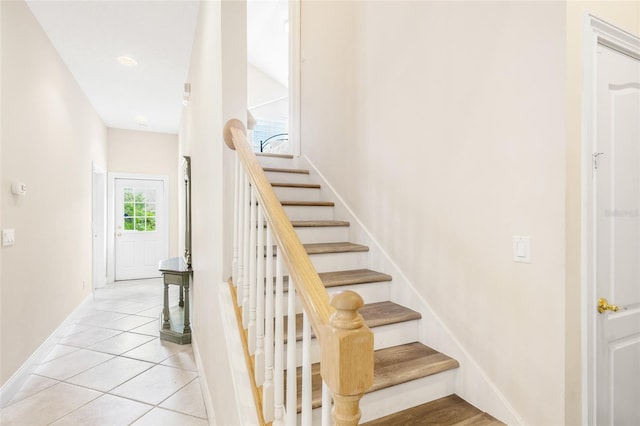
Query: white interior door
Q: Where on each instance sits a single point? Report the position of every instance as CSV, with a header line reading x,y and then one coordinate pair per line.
x,y
141,228
617,237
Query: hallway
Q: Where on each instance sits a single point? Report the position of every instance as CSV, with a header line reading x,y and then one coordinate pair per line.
x,y
108,367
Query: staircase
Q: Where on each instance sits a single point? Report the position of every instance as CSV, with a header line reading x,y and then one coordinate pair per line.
x,y
408,375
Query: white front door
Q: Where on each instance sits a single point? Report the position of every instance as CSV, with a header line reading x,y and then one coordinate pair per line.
x,y
617,237
141,228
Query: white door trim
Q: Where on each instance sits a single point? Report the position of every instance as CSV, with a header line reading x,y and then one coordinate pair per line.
x,y
295,61
111,234
596,31
98,225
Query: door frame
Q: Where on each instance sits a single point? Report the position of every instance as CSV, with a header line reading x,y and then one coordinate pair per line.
x,y
295,79
596,31
111,213
98,225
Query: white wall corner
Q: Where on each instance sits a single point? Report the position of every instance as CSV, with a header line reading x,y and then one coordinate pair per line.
x,y
245,404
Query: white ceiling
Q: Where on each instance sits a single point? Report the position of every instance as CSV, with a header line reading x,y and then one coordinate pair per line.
x,y
90,35
267,38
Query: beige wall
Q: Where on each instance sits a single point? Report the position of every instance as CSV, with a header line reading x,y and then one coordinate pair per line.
x,y
130,151
200,137
442,125
626,15
50,136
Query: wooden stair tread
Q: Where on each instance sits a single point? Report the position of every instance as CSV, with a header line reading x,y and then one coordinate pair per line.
x,y
392,366
351,277
450,410
295,185
308,203
340,247
267,154
374,315
328,248
400,364
318,223
354,276
280,170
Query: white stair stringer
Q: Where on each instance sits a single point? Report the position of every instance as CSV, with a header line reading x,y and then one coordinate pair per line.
x,y
471,382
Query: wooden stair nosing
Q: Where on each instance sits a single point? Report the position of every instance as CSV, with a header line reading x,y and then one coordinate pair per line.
x,y
328,248
414,359
295,185
268,154
449,410
293,203
374,315
341,278
317,223
282,170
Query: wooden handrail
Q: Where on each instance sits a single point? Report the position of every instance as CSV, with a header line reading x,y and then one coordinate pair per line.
x,y
314,296
346,342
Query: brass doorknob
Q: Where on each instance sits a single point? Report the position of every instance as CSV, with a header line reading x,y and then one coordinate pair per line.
x,y
119,234
603,305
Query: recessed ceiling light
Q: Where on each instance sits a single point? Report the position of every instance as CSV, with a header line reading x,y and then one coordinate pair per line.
x,y
142,120
127,61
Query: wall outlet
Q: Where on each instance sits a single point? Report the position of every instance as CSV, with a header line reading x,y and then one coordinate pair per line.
x,y
8,237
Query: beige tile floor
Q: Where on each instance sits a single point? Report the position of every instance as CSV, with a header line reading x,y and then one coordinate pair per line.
x,y
109,368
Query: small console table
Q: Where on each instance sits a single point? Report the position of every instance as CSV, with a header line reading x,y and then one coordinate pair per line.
x,y
174,328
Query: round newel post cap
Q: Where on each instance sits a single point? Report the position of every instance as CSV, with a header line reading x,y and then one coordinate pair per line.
x,y
346,316
234,123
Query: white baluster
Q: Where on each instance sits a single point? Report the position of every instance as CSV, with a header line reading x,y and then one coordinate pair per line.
x,y
267,388
292,392
245,277
241,245
234,267
259,359
278,360
252,274
327,420
306,370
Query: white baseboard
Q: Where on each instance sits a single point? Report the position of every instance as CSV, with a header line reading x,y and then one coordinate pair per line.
x,y
17,380
204,385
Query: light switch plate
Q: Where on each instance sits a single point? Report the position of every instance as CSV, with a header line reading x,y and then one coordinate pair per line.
x,y
521,249
8,237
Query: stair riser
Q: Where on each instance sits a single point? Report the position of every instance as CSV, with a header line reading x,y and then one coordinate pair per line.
x,y
339,261
384,336
309,212
281,163
370,293
287,177
396,398
324,234
298,194
400,397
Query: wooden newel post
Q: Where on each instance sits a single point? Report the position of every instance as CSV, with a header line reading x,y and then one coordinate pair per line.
x,y
347,357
